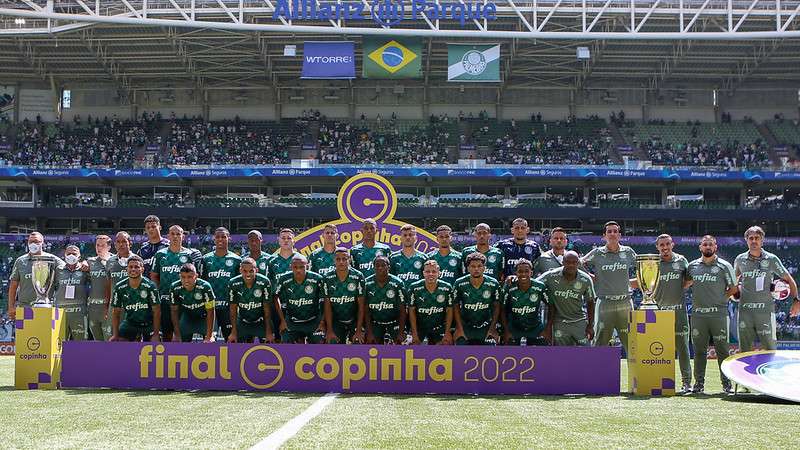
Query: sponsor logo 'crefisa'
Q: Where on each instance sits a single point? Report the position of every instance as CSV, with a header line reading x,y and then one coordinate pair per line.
x,y
386,13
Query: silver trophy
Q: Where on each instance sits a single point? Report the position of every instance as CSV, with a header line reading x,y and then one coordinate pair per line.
x,y
42,275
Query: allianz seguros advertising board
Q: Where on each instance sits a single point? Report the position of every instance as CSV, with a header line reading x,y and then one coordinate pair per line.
x,y
385,12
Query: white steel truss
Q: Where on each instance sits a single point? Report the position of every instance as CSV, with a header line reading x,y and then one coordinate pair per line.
x,y
517,19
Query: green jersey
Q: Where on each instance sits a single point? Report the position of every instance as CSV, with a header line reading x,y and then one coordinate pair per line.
x,y
568,297
343,294
710,281
407,268
362,257
300,302
137,303
756,277
167,264
279,265
672,275
251,300
118,269
262,264
476,303
194,302
495,261
322,262
384,302
524,307
430,307
547,261
612,271
450,266
98,280
71,286
218,271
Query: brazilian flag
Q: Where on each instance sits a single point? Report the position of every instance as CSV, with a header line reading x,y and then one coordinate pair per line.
x,y
386,57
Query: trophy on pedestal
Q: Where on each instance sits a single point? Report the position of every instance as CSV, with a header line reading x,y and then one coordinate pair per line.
x,y
648,269
42,275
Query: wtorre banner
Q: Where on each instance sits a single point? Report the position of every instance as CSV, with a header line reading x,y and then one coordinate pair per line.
x,y
329,60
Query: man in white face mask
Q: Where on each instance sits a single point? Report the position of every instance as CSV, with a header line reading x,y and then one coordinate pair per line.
x,y
72,294
20,290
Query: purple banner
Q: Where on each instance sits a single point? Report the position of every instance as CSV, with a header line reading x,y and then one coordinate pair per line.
x,y
772,372
326,60
342,368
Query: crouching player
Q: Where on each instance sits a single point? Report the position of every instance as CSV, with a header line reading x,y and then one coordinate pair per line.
x,y
522,307
250,296
385,299
344,301
299,294
477,304
430,307
138,297
192,306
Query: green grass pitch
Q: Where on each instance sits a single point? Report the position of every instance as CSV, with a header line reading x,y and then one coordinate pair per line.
x,y
192,420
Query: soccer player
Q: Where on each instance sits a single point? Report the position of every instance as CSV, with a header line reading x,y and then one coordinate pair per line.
x,y
321,259
673,276
517,247
250,300
522,300
254,241
281,262
20,289
612,265
167,264
494,256
117,265
300,294
218,268
448,259
570,295
100,289
192,306
755,270
430,308
148,250
363,255
385,297
712,282
553,258
71,294
138,297
407,262
476,298
344,301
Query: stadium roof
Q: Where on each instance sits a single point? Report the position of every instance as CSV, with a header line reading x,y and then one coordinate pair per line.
x,y
650,44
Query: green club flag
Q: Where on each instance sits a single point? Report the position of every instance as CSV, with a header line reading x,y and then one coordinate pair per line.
x,y
473,63
392,58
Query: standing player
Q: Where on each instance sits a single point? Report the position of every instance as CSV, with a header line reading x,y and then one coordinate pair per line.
x,y
553,258
363,255
713,282
20,289
138,297
407,262
522,300
100,290
673,276
254,241
476,298
517,247
385,298
321,259
430,308
282,261
344,301
71,294
117,265
448,259
570,295
494,256
192,306
755,269
167,264
148,250
299,294
612,265
218,268
250,300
